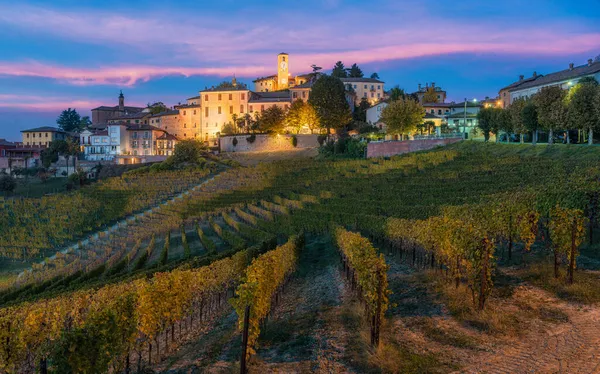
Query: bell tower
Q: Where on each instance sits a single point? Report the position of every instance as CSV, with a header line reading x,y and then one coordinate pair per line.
x,y
283,66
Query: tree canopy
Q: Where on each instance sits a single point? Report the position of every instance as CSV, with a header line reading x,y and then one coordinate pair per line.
x,y
272,120
396,93
430,95
581,110
328,98
375,76
551,108
188,151
69,120
402,116
355,72
339,71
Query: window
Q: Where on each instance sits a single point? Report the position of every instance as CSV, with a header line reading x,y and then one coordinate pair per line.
x,y
194,125
230,96
206,97
27,135
205,112
33,135
243,96
262,108
219,97
365,94
250,109
372,94
184,134
184,125
378,86
354,86
241,109
378,95
184,112
439,111
432,111
372,86
303,94
194,111
219,110
365,86
231,109
46,135
438,96
294,95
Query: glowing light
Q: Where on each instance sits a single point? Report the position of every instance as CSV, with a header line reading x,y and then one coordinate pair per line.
x,y
570,83
474,100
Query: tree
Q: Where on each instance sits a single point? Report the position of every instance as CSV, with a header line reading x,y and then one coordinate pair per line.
x,y
339,71
228,129
551,109
85,122
529,117
355,72
396,93
375,76
310,117
430,96
157,108
515,110
56,148
328,97
597,104
7,183
294,117
273,120
69,120
315,74
485,121
582,114
188,151
360,111
402,116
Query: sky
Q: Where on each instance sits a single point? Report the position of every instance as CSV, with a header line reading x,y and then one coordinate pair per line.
x,y
79,54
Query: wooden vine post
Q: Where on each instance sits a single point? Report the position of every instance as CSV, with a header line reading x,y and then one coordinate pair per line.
x,y
243,369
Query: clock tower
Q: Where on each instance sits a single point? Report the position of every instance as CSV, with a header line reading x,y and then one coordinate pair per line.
x,y
283,65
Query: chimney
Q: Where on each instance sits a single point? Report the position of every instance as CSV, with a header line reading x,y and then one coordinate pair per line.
x,y
571,66
535,74
590,62
521,77
419,86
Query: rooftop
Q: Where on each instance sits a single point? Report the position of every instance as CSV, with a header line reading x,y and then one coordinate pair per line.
x,y
362,80
5,142
142,127
573,72
167,136
127,109
166,113
44,129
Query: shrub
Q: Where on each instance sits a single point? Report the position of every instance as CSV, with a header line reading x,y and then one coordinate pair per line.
x,y
234,142
7,183
294,140
321,139
251,138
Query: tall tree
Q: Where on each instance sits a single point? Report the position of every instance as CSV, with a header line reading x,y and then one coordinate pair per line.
x,y
375,76
272,120
582,114
294,118
485,120
50,154
328,97
529,117
339,71
502,122
69,120
355,72
396,93
360,111
516,116
402,116
310,117
85,122
551,109
430,96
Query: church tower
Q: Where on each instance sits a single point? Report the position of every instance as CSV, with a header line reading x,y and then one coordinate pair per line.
x,y
121,102
283,66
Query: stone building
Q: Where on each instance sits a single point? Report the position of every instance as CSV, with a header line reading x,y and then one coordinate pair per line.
x,y
102,114
370,89
42,136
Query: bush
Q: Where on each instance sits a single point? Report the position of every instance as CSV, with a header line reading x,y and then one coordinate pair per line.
x,y
294,140
251,138
7,183
234,142
321,139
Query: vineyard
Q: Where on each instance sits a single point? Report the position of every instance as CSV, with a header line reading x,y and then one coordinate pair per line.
x,y
429,262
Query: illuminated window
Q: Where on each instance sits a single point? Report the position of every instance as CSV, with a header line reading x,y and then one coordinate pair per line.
x,y
243,96
230,96
241,109
231,109
206,97
219,97
219,110
205,112
250,109
184,112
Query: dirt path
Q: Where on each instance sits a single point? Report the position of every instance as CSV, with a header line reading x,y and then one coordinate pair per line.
x,y
572,347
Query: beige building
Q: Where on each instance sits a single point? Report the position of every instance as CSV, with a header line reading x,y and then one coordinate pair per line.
x,y
191,119
365,88
282,80
42,136
219,105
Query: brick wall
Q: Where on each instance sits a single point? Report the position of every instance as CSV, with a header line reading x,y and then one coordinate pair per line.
x,y
392,148
264,143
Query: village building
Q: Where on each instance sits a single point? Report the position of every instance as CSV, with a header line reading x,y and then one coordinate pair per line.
x,y
103,114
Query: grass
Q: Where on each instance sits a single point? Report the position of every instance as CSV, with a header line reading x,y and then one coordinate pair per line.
x,y
584,289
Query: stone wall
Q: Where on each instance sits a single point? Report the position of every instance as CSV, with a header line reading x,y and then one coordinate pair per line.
x,y
392,148
264,143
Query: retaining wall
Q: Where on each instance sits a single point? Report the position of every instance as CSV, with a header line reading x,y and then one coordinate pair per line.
x,y
392,148
266,143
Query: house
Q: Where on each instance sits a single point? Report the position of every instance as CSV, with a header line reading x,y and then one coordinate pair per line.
x,y
42,136
441,110
102,114
370,89
463,115
440,94
565,79
165,144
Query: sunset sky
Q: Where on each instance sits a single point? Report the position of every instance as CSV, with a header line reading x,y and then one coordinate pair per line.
x,y
67,53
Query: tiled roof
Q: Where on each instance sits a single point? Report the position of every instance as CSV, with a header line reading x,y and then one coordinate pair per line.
x,y
236,88
308,84
270,97
167,136
142,127
193,98
5,142
265,78
136,115
431,116
559,76
116,108
44,129
361,80
462,115
462,104
435,105
166,113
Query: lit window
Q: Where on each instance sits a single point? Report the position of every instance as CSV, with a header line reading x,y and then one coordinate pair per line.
x,y
184,112
230,96
241,109
231,109
205,112
219,110
206,97
243,96
219,97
